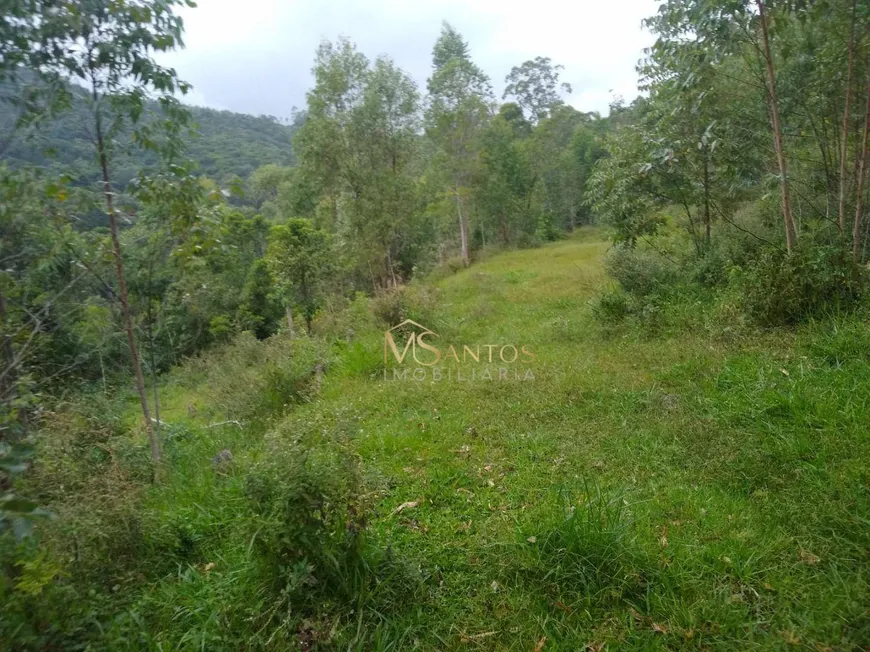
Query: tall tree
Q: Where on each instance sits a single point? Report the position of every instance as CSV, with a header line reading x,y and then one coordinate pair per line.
x,y
300,259
862,173
773,101
360,142
536,87
459,98
844,138
115,42
506,180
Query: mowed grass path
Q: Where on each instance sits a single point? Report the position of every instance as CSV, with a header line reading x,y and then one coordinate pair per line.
x,y
640,493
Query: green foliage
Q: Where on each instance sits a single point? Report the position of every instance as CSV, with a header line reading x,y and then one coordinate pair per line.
x,y
299,259
392,307
546,231
506,182
259,312
306,502
640,271
814,281
611,307
372,515
254,379
364,180
17,514
536,86
225,145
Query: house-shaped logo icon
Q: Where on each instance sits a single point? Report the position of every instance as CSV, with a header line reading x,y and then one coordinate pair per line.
x,y
415,340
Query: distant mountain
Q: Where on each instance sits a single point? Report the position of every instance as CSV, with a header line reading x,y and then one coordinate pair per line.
x,y
227,145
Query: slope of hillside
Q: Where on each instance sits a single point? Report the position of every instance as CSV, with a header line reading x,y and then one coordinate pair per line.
x,y
227,145
636,493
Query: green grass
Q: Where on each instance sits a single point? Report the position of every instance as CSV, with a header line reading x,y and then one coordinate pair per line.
x,y
687,491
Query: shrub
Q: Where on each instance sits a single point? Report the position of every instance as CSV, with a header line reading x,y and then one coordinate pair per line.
x,y
546,231
259,379
640,272
220,328
448,268
528,240
41,609
611,307
413,301
783,289
311,502
89,474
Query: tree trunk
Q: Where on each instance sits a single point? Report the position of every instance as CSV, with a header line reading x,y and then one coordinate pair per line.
x,y
862,169
391,272
707,219
846,111
102,370
122,285
790,233
572,215
154,387
463,229
288,311
7,380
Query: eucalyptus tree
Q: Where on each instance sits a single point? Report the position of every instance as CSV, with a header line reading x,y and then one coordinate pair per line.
x,y
323,144
536,87
697,35
623,189
696,147
360,144
556,176
578,159
506,180
386,126
458,110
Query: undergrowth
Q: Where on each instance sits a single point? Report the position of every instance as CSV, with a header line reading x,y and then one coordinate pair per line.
x,y
652,488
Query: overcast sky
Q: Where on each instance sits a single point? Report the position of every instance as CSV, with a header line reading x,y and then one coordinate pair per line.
x,y
255,56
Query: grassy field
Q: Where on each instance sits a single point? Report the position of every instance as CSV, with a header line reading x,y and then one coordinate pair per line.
x,y
698,491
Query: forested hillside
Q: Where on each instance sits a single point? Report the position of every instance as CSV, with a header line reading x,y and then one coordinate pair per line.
x,y
225,145
204,441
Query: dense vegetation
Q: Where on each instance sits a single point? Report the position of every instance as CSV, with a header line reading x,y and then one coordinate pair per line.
x,y
226,146
261,485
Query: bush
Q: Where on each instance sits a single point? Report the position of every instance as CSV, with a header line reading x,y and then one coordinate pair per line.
x,y
392,307
528,240
343,319
546,231
57,586
448,268
640,272
611,307
41,610
258,379
780,289
311,502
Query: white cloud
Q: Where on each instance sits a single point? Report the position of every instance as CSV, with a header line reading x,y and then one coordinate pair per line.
x,y
255,56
